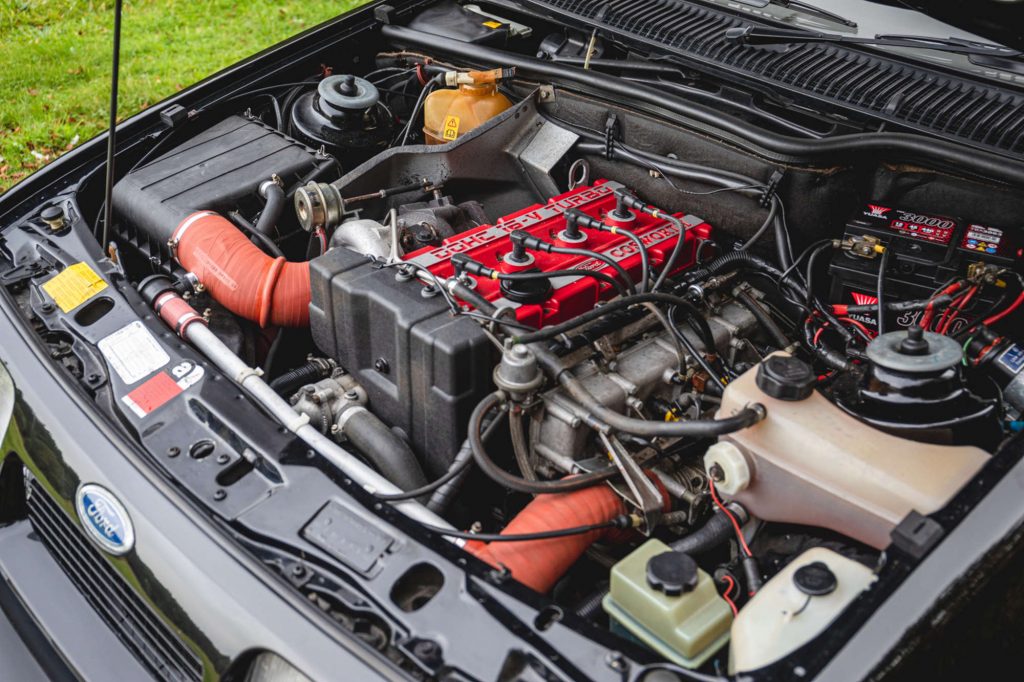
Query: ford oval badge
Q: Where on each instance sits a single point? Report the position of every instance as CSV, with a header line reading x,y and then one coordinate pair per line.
x,y
105,519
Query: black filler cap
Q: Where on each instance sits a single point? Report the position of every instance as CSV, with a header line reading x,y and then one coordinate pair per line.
x,y
672,573
786,378
815,579
527,291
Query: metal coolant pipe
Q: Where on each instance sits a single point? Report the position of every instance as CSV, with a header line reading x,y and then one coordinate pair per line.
x,y
188,324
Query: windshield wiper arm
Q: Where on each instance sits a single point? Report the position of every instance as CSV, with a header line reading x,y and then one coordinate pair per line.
x,y
753,35
805,7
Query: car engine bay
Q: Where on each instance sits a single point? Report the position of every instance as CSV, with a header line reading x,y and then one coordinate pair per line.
x,y
699,399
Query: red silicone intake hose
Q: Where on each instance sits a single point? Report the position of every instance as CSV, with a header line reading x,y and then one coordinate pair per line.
x,y
540,563
239,275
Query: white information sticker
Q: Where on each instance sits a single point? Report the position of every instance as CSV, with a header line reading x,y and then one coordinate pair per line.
x,y
133,352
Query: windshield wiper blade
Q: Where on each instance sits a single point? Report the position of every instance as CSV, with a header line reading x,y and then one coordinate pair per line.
x,y
805,7
753,35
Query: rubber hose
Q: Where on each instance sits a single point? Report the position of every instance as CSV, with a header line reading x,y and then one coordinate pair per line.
x,y
732,261
266,242
831,149
693,428
520,443
273,208
239,275
294,379
764,319
677,169
715,531
388,453
513,482
830,357
441,498
539,564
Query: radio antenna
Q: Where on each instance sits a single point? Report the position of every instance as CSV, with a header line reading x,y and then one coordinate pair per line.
x,y
108,208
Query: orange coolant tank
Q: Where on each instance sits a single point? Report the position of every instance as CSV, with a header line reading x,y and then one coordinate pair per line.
x,y
471,99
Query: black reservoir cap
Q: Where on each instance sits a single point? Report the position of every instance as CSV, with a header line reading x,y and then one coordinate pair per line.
x,y
815,579
672,573
786,378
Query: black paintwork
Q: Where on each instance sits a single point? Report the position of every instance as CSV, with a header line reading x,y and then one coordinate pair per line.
x,y
234,573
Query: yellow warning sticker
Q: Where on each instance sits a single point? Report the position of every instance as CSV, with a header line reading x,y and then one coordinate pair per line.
x,y
451,127
73,286
492,24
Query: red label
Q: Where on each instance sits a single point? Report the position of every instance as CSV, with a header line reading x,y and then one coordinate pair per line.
x,y
152,394
863,299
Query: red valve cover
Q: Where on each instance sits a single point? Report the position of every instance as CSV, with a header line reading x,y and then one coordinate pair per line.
x,y
572,296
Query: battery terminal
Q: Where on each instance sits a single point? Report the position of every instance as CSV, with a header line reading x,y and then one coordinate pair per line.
x,y
985,273
864,246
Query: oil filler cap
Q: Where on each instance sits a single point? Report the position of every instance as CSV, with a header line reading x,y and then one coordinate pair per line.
x,y
672,573
815,579
786,378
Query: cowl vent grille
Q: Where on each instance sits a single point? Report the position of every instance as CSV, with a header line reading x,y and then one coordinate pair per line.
x,y
910,96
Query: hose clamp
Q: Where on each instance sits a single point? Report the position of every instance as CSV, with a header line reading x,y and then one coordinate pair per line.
x,y
179,232
347,414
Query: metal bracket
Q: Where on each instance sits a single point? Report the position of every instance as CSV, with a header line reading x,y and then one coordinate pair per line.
x,y
646,496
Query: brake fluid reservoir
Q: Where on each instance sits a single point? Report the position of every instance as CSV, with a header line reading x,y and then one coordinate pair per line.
x,y
449,114
811,463
794,607
664,600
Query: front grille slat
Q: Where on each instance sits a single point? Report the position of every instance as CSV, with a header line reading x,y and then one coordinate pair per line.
x,y
117,601
917,97
131,619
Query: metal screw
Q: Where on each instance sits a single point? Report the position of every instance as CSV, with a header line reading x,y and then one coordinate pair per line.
x,y
93,378
219,495
426,649
616,661
298,570
382,366
173,451
223,459
46,308
351,395
717,473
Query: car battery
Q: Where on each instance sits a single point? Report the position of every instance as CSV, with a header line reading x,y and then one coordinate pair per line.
x,y
926,251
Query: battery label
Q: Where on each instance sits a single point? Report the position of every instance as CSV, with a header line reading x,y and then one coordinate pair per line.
x,y
982,239
1012,359
928,228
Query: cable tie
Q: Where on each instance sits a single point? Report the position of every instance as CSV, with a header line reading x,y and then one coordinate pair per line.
x,y
771,189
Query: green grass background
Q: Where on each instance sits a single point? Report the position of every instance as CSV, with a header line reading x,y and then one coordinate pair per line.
x,y
55,61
